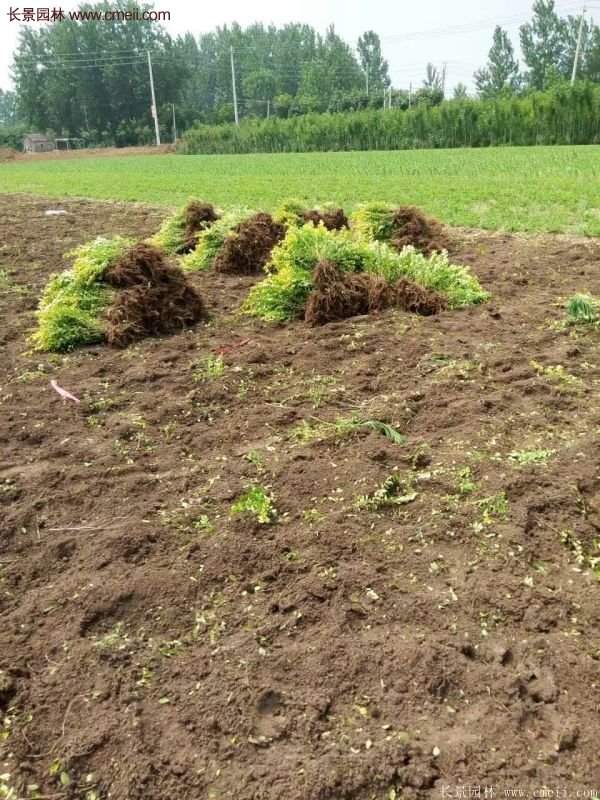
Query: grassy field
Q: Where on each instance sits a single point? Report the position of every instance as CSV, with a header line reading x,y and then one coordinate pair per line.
x,y
554,189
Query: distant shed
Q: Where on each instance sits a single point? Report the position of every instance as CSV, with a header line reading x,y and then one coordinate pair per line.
x,y
37,143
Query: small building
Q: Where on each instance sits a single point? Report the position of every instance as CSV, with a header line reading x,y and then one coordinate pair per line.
x,y
37,143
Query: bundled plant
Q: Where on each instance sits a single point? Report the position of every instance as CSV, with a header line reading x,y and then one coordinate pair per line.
x,y
373,221
71,306
294,213
180,231
115,291
283,294
211,240
400,227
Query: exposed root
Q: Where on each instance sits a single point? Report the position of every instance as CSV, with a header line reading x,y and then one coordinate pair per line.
x,y
412,227
338,295
334,220
248,247
198,217
154,298
411,297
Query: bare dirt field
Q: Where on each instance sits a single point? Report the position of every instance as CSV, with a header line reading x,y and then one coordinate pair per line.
x,y
154,645
6,154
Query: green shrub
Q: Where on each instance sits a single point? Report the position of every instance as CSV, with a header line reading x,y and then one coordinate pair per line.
x,y
70,309
211,239
583,308
373,221
282,295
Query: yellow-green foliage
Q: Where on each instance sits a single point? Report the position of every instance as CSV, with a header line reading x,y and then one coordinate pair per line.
x,y
290,212
171,233
373,221
282,295
70,309
212,239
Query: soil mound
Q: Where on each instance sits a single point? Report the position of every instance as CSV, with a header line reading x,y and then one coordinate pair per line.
x,y
155,297
334,219
412,227
198,217
247,249
338,295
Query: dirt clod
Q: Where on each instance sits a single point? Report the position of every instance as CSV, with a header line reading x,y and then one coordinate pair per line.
x,y
154,298
247,249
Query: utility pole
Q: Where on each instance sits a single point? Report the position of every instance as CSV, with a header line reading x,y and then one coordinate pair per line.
x,y
444,78
410,95
235,105
268,109
154,111
578,48
174,125
367,78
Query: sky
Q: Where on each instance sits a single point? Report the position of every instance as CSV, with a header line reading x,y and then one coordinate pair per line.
x,y
412,33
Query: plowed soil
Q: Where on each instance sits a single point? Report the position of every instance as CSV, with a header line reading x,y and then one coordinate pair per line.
x,y
153,646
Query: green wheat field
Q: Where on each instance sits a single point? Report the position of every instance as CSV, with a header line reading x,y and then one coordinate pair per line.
x,y
542,189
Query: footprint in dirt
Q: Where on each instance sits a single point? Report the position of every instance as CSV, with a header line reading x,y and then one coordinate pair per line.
x,y
270,721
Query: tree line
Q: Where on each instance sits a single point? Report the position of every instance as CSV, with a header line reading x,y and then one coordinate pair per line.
x,y
563,114
91,80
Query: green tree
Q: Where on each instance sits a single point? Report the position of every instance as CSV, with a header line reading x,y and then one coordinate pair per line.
x,y
433,78
8,108
460,91
372,61
501,73
543,44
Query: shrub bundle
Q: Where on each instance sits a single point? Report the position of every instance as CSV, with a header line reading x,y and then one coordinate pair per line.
x,y
337,295
179,232
155,297
211,240
293,212
400,227
71,306
283,294
248,247
115,292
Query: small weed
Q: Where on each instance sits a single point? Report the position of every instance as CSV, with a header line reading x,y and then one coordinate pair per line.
x,y
493,508
313,516
392,492
342,427
171,648
584,558
559,376
8,286
258,502
527,457
466,484
256,459
115,639
208,369
583,308
321,388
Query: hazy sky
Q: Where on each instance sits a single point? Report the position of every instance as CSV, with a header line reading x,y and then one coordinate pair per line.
x,y
455,31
